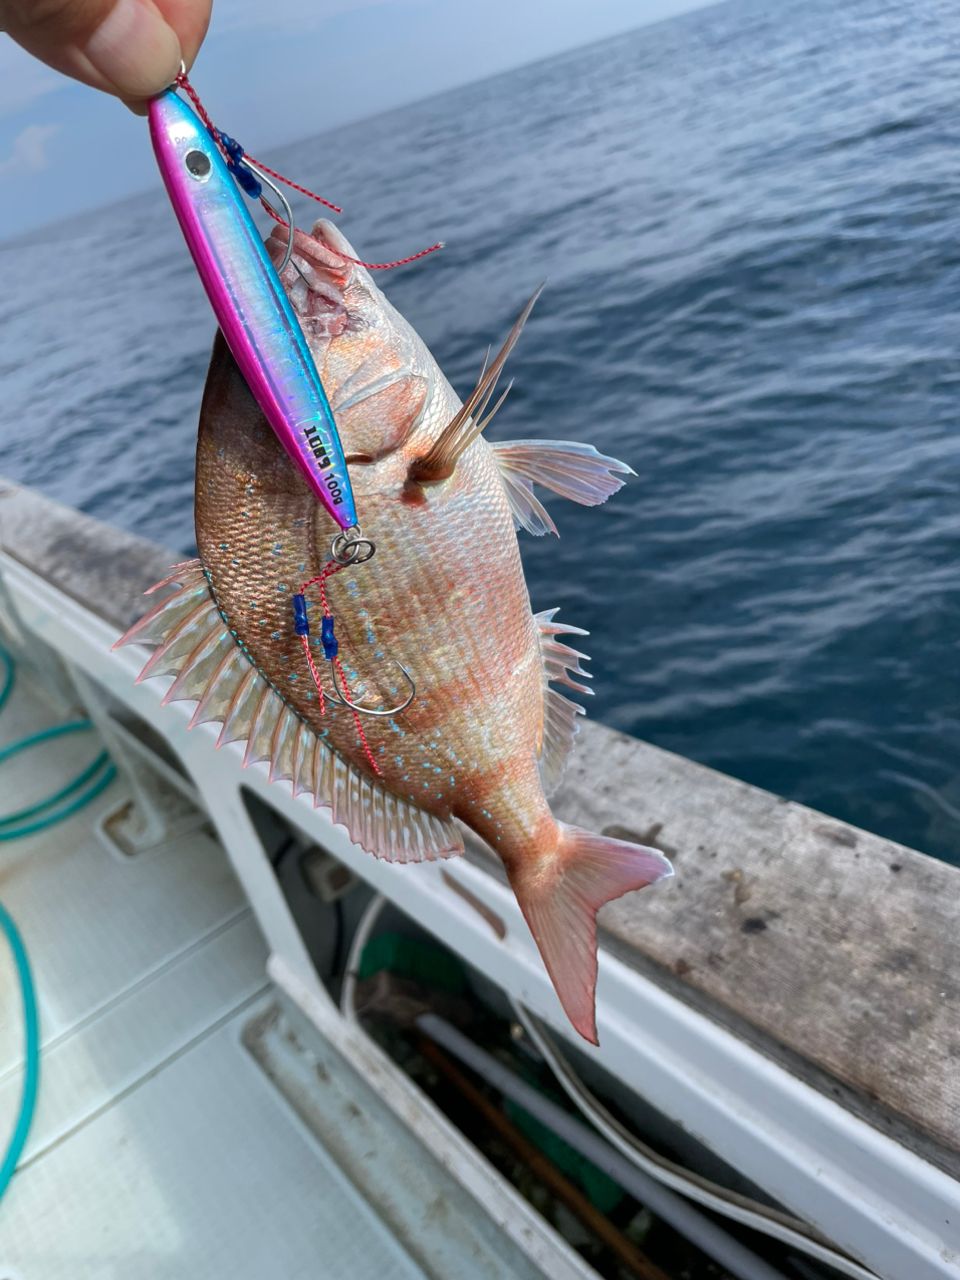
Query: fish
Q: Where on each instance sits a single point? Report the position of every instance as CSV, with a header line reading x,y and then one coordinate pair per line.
x,y
489,732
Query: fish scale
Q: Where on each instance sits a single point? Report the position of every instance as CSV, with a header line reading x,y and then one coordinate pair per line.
x,y
416,583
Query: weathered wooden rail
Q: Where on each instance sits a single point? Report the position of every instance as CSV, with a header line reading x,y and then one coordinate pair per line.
x,y
830,950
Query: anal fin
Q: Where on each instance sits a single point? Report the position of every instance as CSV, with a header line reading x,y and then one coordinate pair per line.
x,y
561,665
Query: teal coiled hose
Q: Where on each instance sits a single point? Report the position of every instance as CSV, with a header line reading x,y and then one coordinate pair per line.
x,y
86,786
94,778
31,1036
7,662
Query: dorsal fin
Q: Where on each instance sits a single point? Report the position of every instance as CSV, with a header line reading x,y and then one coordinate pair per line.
x,y
195,645
560,664
464,427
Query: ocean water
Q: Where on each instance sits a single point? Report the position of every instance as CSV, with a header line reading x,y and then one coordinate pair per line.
x,y
748,222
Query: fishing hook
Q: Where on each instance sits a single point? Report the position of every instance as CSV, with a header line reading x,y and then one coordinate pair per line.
x,y
349,547
243,159
285,203
339,696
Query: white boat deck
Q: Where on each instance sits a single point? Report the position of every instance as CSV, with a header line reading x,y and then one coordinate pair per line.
x,y
791,1002
161,1147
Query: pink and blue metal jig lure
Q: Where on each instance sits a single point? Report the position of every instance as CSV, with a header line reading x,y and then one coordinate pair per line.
x,y
258,322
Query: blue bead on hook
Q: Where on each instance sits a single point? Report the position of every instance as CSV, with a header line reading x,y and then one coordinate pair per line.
x,y
301,623
327,638
239,167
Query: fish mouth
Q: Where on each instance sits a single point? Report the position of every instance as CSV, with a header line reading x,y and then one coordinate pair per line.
x,y
317,277
370,361
325,248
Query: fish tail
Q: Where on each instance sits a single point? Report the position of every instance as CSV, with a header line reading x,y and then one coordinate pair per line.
x,y
560,894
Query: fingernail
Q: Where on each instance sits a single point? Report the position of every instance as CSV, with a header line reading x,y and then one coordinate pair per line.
x,y
135,49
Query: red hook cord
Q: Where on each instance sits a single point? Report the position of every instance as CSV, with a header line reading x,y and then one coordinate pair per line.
x,y
321,581
183,83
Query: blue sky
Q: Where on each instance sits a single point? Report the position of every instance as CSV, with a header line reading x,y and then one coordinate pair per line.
x,y
274,72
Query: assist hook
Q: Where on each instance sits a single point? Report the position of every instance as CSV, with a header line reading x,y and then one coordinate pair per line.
x,y
340,696
350,547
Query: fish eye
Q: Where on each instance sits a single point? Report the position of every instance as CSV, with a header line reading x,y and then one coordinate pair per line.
x,y
198,164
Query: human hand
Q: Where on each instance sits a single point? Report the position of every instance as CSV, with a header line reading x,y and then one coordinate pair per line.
x,y
131,48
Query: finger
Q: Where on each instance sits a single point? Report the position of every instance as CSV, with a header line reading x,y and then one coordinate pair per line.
x,y
189,19
124,46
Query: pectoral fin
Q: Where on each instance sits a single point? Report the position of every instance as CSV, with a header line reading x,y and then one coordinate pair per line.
x,y
471,419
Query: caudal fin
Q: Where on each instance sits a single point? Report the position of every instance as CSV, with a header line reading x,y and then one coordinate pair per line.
x,y
560,900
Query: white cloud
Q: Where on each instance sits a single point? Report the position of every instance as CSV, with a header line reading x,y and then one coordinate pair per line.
x,y
29,151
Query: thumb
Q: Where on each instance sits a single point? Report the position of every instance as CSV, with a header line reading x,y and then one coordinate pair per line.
x,y
122,46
